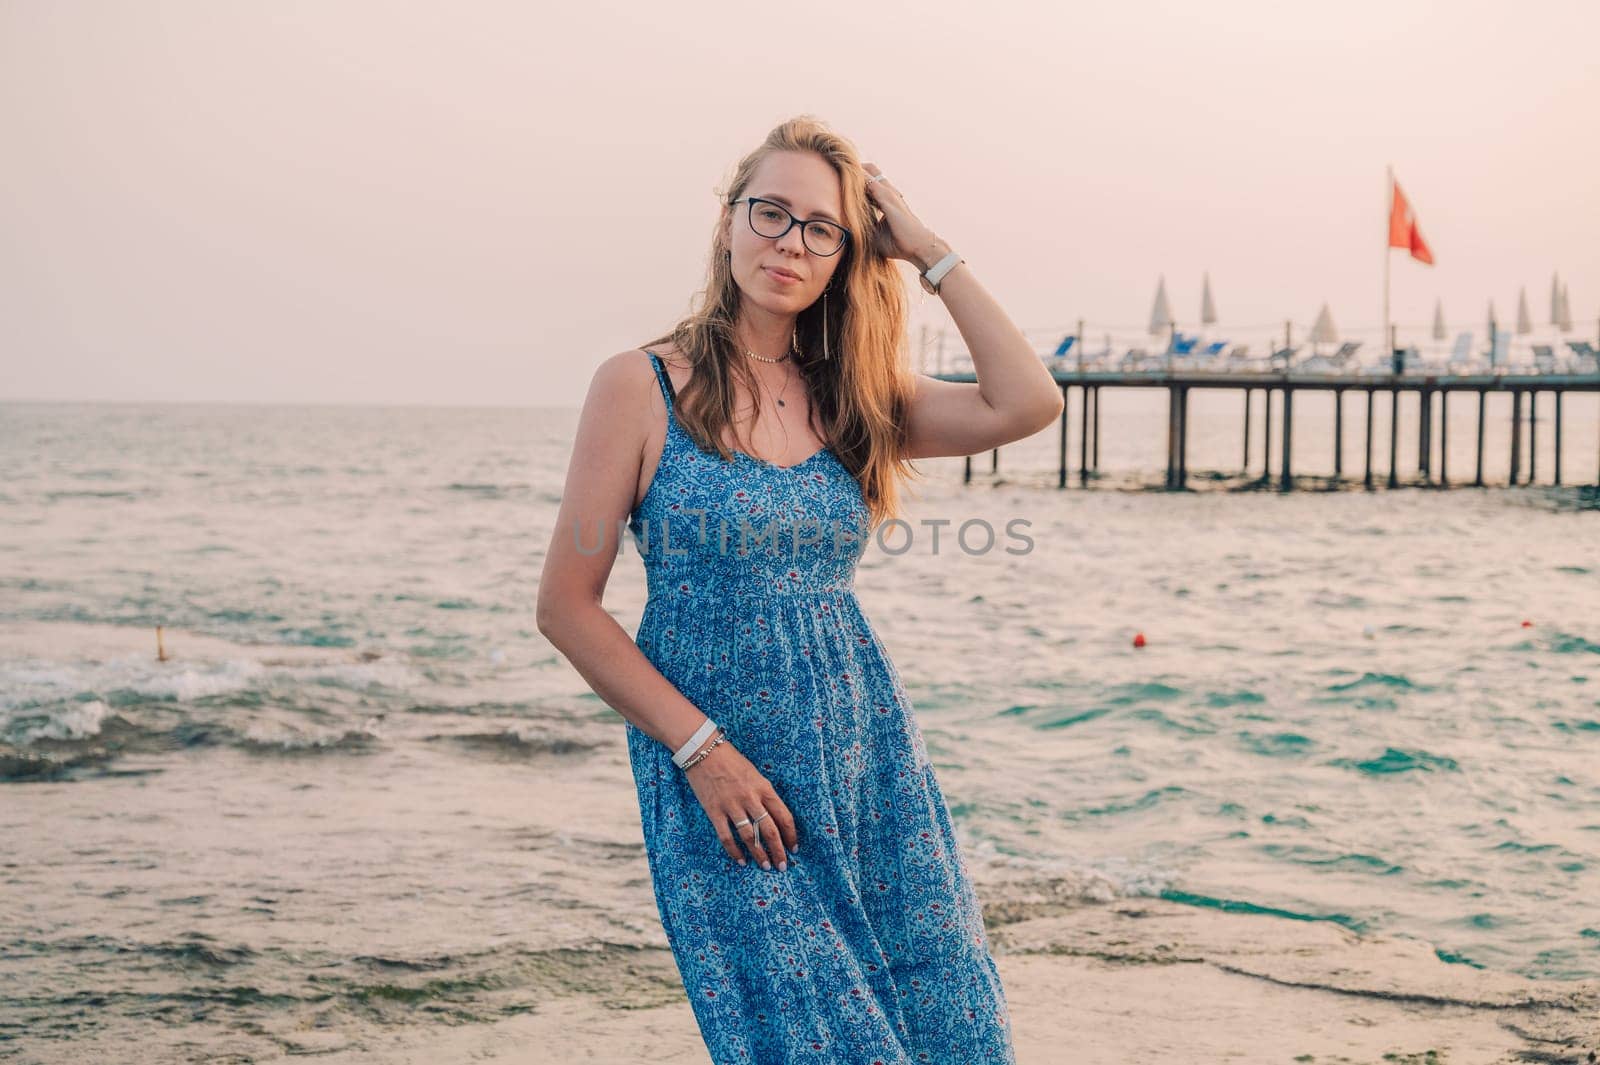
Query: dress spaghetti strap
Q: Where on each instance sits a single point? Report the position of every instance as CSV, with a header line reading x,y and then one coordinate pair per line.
x,y
663,377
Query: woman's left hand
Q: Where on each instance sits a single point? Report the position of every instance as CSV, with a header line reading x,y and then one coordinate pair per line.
x,y
899,234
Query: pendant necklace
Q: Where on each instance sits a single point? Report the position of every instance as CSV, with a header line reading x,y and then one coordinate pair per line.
x,y
785,390
794,345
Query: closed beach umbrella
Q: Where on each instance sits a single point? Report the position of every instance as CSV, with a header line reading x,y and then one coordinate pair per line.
x,y
1555,299
1161,314
1438,320
1524,320
1322,330
1566,310
1208,309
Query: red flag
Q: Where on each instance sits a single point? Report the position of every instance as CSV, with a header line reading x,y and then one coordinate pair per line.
x,y
1403,231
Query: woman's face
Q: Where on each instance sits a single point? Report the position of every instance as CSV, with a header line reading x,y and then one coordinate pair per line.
x,y
808,186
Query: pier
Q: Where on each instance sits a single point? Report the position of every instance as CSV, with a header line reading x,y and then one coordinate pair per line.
x,y
1436,396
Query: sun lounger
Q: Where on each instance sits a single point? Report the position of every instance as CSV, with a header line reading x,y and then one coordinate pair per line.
x,y
1586,359
1134,360
1282,358
1461,358
1338,362
1097,360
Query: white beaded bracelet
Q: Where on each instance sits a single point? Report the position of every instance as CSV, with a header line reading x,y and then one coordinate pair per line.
x,y
713,745
699,737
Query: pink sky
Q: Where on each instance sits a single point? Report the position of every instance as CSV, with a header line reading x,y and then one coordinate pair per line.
x,y
363,202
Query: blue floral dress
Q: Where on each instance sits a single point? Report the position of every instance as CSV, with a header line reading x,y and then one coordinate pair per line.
x,y
870,948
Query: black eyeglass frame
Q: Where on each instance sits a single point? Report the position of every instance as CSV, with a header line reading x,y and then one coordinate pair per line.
x,y
793,221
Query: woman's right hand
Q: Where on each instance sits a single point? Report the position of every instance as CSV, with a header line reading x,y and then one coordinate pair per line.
x,y
731,789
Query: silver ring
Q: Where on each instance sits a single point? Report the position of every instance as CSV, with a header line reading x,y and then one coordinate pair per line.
x,y
876,177
764,815
746,821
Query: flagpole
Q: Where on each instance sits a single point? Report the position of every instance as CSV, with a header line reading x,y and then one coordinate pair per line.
x,y
1388,211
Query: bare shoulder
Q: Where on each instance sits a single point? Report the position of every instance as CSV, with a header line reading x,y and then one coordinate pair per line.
x,y
622,384
622,368
619,406
634,364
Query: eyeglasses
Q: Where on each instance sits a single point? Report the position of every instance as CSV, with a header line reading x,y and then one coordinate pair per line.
x,y
773,220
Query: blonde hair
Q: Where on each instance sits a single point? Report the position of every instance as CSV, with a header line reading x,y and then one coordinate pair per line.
x,y
859,395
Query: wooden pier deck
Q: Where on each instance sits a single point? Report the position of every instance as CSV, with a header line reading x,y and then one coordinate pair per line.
x,y
1525,390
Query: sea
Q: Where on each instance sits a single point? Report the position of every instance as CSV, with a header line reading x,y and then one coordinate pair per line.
x,y
286,766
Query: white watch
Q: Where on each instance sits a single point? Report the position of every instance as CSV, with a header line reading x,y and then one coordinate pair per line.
x,y
934,274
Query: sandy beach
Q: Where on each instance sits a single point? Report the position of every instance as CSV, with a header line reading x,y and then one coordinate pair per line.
x,y
1108,984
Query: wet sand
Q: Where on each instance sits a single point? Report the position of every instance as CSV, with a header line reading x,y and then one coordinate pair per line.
x,y
1136,980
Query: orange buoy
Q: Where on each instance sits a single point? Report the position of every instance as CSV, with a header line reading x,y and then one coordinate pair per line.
x,y
1138,639
1527,624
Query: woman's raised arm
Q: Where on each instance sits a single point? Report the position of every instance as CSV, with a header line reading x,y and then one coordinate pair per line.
x,y
1014,396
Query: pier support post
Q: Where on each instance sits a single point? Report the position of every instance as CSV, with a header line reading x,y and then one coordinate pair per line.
x,y
1176,394
1096,464
1266,435
1183,436
1444,439
1066,398
1366,480
1424,432
1172,437
1483,406
1338,435
1246,467
1533,435
1287,481
1083,440
966,476
1558,437
1394,438
1516,436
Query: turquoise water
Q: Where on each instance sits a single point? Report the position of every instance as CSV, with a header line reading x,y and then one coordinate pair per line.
x,y
365,791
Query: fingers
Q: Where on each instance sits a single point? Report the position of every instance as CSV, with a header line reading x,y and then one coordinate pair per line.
x,y
773,836
757,843
783,822
877,182
875,178
885,199
730,842
883,242
767,830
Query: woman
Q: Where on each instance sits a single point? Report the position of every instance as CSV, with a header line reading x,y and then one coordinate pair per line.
x,y
802,855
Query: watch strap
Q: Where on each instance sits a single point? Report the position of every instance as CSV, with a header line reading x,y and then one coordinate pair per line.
x,y
935,273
